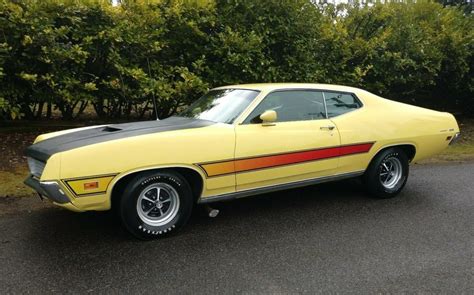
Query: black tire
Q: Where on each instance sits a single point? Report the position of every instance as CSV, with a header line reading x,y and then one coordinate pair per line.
x,y
144,187
375,176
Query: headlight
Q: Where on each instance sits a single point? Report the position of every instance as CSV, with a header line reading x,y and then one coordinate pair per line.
x,y
36,167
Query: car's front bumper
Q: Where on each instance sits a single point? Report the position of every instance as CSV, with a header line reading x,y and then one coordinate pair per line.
x,y
49,189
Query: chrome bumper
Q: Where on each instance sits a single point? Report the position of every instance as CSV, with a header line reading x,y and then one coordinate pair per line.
x,y
48,189
455,138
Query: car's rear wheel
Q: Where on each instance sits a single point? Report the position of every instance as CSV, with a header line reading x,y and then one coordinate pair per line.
x,y
387,174
156,204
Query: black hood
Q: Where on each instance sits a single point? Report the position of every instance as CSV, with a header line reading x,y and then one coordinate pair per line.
x,y
46,148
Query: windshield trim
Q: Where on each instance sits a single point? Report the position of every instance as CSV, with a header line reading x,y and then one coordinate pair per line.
x,y
235,88
236,119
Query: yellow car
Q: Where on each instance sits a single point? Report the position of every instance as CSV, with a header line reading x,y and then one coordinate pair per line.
x,y
233,142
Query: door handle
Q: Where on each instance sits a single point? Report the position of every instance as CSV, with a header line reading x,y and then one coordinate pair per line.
x,y
327,127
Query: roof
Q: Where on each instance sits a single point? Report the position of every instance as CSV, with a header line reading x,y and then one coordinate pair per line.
x,y
277,86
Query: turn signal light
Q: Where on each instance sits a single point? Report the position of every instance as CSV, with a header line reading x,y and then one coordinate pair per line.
x,y
91,185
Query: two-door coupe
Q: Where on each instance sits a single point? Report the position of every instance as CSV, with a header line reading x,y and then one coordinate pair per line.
x,y
235,141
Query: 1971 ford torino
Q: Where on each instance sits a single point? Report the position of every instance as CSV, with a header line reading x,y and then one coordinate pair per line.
x,y
235,141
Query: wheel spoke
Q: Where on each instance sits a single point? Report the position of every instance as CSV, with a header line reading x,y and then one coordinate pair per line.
x,y
165,197
158,204
391,172
148,199
158,190
147,212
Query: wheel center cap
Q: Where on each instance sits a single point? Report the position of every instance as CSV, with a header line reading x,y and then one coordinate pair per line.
x,y
158,204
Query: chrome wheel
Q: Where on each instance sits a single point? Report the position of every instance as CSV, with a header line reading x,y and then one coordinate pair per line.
x,y
158,204
391,171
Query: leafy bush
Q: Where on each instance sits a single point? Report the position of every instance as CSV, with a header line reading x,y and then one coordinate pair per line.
x,y
69,56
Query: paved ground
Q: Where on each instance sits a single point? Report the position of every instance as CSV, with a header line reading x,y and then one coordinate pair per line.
x,y
328,238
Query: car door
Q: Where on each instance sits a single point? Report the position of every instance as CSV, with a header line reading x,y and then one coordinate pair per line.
x,y
356,129
302,144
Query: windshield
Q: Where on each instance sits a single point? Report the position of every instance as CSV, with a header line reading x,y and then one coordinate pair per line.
x,y
222,105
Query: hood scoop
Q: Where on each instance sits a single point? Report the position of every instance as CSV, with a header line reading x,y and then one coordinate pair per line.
x,y
111,129
86,137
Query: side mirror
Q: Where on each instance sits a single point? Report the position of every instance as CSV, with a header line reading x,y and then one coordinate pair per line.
x,y
268,117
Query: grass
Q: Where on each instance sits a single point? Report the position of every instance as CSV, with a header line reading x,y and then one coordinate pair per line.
x,y
461,151
455,153
13,141
11,184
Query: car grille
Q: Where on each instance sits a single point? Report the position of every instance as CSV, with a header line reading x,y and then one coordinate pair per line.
x,y
36,167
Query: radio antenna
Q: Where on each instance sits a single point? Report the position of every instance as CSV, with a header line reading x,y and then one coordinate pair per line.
x,y
155,107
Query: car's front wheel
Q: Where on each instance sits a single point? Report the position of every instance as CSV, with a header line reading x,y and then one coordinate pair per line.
x,y
387,174
156,204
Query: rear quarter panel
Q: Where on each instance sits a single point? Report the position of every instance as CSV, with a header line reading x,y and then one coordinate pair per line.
x,y
388,123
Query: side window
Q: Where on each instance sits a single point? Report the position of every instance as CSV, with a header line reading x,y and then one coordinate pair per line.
x,y
340,103
291,105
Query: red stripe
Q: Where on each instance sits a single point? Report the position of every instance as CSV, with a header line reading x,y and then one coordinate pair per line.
x,y
249,164
355,149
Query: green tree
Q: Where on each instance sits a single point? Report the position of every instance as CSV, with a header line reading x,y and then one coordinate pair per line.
x,y
65,56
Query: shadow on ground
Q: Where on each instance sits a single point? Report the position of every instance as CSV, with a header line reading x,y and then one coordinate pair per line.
x,y
324,202
326,238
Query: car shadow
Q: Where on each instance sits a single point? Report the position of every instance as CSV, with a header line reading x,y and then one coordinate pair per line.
x,y
321,203
57,239
333,228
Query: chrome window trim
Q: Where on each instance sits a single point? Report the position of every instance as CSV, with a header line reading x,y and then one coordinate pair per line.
x,y
322,90
344,92
325,105
285,90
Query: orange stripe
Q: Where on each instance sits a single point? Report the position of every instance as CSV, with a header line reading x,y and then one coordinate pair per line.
x,y
248,164
220,168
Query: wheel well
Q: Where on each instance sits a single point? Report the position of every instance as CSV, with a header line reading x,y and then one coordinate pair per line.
x,y
409,150
194,179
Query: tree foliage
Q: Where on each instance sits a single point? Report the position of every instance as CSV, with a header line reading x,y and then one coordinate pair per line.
x,y
72,55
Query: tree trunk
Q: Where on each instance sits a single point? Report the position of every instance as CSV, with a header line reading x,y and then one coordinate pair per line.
x,y
99,108
39,112
82,107
49,110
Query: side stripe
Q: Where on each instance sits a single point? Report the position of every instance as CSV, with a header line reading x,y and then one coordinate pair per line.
x,y
270,161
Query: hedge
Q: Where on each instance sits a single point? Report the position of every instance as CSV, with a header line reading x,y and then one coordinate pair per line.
x,y
70,56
